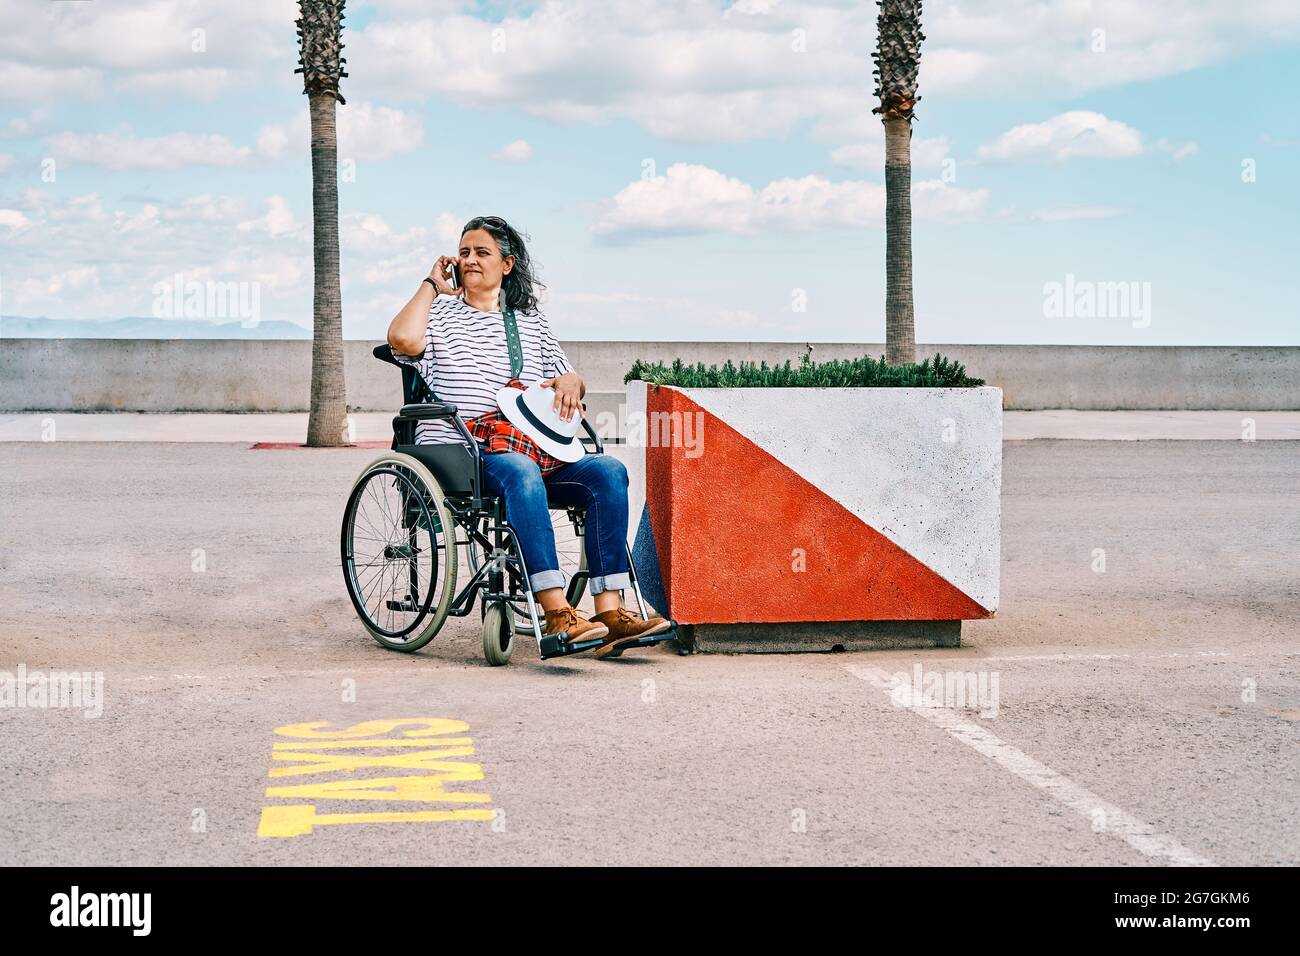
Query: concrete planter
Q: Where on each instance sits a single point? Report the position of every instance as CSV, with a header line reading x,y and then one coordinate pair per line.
x,y
757,507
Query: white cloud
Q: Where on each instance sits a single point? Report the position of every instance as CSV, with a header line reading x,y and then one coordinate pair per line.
x,y
1078,133
21,83
385,255
121,149
147,221
605,315
365,132
73,280
447,227
1177,152
371,132
692,71
282,272
520,151
682,69
13,219
78,259
199,83
87,208
687,199
26,127
693,199
278,221
273,141
94,50
751,7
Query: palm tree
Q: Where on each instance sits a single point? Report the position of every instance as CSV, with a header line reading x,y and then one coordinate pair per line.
x,y
898,58
321,65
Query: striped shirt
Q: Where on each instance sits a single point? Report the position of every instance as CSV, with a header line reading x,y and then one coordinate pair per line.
x,y
466,360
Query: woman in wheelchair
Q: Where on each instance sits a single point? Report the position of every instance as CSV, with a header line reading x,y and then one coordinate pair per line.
x,y
456,333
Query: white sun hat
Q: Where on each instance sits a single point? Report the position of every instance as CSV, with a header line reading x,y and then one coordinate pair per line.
x,y
530,410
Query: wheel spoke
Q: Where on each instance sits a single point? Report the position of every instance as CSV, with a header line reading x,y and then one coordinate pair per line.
x,y
395,561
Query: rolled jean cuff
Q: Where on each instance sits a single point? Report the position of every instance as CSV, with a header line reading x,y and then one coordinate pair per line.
x,y
554,578
610,582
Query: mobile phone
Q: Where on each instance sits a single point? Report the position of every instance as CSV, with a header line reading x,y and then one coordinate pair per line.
x,y
455,276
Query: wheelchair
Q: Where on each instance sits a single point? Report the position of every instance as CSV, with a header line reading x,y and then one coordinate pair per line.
x,y
412,511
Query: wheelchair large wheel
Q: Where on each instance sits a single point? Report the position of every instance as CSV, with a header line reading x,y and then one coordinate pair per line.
x,y
570,548
399,552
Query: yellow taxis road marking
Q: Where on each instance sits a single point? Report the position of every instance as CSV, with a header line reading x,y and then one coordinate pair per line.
x,y
426,727
335,744
299,820
428,785
326,763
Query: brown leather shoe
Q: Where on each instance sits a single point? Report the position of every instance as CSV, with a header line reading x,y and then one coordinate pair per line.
x,y
624,625
580,629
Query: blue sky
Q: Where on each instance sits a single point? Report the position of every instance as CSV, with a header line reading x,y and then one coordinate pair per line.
x,y
685,170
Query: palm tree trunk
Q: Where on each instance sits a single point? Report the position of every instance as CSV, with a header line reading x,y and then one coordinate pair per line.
x,y
328,417
900,318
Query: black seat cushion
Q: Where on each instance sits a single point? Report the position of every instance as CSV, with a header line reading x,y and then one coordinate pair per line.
x,y
451,464
454,467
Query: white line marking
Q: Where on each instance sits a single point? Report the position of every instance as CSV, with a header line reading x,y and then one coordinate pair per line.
x,y
1084,657
1103,814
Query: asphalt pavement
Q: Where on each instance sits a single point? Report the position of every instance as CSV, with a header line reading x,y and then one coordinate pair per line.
x,y
1141,701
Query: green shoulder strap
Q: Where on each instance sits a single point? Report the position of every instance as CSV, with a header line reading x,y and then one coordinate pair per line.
x,y
512,342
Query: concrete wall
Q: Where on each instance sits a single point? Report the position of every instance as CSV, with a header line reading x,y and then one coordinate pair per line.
x,y
163,375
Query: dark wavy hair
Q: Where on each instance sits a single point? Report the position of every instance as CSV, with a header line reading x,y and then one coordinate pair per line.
x,y
521,284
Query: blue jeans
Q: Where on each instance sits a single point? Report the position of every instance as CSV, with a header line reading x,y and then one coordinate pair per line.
x,y
598,482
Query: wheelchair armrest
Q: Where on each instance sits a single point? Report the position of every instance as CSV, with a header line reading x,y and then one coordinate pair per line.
x,y
586,425
419,412
429,410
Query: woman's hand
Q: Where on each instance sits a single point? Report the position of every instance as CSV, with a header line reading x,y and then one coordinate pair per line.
x,y
568,394
441,274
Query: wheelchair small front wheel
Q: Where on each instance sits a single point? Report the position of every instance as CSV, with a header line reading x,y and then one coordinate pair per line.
x,y
498,635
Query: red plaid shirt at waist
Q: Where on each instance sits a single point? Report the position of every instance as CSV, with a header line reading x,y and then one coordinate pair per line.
x,y
498,435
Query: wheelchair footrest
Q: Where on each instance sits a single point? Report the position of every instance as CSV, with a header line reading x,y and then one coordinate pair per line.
x,y
647,641
554,646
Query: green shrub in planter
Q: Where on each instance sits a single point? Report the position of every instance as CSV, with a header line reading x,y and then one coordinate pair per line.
x,y
859,372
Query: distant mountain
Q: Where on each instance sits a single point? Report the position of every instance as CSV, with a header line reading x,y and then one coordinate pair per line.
x,y
18,327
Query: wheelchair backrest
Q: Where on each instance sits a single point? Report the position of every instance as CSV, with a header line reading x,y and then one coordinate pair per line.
x,y
415,390
452,464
